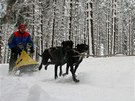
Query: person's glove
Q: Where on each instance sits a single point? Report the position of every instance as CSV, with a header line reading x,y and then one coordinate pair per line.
x,y
20,46
29,45
31,50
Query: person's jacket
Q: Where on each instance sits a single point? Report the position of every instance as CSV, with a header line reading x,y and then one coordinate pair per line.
x,y
18,38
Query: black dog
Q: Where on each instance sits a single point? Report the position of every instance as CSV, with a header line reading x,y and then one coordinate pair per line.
x,y
75,57
57,56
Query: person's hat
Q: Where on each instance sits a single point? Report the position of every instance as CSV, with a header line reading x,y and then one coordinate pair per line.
x,y
22,26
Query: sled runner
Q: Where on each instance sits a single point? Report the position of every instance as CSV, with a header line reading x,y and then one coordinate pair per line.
x,y
25,64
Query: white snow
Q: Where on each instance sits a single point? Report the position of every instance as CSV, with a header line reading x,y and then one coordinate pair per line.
x,y
101,79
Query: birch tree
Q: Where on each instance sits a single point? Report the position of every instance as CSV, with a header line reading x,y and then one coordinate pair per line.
x,y
90,27
113,29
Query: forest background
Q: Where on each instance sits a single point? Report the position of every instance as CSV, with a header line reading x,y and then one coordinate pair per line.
x,y
107,26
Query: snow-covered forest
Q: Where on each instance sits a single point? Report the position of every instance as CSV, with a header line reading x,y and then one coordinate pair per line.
x,y
107,26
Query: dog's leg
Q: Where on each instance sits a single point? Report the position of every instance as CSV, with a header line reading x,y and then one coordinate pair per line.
x,y
60,73
46,66
76,66
48,63
67,68
73,74
55,74
40,67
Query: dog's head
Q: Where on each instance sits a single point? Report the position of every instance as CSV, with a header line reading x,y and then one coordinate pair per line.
x,y
67,44
82,47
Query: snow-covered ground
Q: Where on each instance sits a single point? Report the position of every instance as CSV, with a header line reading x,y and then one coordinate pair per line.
x,y
101,79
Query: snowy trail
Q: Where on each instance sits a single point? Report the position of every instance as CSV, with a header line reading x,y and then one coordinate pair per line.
x,y
101,79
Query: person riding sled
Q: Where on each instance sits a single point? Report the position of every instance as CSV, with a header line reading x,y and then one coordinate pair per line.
x,y
18,41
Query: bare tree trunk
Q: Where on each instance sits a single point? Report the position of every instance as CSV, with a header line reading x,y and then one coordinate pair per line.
x,y
42,45
129,35
53,30
70,21
89,14
107,28
98,30
92,34
113,26
33,21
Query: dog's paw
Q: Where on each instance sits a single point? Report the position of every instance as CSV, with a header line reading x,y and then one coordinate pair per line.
x,y
45,68
64,74
76,80
55,77
39,68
